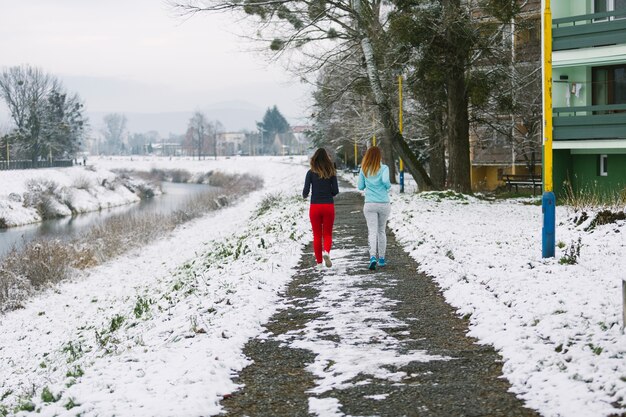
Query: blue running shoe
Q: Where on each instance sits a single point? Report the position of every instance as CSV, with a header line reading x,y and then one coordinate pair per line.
x,y
381,262
372,263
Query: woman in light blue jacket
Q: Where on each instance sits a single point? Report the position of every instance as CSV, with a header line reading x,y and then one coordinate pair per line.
x,y
374,179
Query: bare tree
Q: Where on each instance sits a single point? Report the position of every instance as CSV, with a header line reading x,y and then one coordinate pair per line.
x,y
321,31
113,131
24,90
216,128
199,132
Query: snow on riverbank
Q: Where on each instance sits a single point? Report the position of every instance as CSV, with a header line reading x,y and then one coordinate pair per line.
x,y
159,332
63,192
556,325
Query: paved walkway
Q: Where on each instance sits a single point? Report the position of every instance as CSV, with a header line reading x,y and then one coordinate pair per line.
x,y
360,342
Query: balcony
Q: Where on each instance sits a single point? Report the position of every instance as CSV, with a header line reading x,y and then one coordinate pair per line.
x,y
590,122
589,30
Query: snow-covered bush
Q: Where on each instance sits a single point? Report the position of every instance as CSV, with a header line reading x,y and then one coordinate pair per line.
x,y
45,196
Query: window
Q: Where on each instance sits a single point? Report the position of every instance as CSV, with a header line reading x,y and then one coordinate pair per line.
x,y
528,32
608,86
604,165
603,6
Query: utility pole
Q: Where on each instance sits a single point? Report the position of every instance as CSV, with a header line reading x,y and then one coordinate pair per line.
x,y
400,128
548,200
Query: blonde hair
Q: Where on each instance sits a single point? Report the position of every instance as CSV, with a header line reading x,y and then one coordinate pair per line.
x,y
371,161
322,165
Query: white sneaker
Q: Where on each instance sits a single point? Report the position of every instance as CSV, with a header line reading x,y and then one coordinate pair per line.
x,y
319,267
327,260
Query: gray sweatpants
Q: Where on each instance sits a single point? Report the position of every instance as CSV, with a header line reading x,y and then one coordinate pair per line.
x,y
376,215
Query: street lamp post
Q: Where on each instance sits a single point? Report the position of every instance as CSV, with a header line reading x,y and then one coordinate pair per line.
x,y
400,128
548,200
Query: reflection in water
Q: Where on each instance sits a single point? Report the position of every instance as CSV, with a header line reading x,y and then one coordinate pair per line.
x,y
173,196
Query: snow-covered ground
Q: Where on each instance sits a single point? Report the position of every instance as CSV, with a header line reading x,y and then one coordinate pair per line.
x,y
557,326
159,331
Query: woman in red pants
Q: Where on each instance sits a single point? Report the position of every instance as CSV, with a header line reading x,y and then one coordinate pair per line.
x,y
322,179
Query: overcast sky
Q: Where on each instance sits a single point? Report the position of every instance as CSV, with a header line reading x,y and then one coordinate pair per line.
x,y
137,56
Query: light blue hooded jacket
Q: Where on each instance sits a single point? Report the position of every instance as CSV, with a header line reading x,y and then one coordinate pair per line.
x,y
376,186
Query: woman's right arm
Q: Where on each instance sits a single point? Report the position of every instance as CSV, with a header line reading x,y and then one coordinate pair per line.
x,y
307,185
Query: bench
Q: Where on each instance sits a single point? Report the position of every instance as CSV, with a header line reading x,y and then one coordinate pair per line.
x,y
517,181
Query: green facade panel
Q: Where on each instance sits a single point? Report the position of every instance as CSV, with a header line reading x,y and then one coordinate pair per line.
x,y
562,167
586,173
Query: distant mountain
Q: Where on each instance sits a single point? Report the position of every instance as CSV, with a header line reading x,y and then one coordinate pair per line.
x,y
234,116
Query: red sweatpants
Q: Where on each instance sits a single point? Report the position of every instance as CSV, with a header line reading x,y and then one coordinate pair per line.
x,y
322,218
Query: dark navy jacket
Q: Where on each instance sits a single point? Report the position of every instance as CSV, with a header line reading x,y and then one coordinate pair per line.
x,y
324,189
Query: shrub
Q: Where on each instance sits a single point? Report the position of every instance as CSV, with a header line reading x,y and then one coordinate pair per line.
x,y
572,253
179,175
83,183
219,179
42,195
47,396
40,262
267,203
606,217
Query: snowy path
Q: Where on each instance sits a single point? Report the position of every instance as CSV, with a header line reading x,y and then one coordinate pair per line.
x,y
157,332
356,342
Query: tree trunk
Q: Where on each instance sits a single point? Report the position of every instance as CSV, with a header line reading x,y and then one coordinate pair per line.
x,y
458,117
389,159
436,144
458,134
399,145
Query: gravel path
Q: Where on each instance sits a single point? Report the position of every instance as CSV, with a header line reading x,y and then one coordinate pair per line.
x,y
366,343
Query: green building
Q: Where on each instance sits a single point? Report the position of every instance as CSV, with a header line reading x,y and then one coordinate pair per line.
x,y
589,94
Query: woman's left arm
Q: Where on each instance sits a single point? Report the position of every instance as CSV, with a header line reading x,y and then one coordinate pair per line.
x,y
334,186
386,182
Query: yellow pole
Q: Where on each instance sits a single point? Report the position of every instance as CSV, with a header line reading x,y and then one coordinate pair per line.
x,y
547,98
374,129
548,200
400,113
400,128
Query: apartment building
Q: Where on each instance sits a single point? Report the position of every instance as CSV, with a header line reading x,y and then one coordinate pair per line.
x,y
589,95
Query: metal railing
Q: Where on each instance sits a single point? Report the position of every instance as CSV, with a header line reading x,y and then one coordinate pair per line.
x,y
586,19
23,164
602,109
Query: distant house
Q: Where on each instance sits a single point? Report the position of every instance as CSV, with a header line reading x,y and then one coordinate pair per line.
x,y
301,140
492,161
589,94
166,149
231,143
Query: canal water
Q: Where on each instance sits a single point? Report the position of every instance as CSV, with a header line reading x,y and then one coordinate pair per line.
x,y
173,196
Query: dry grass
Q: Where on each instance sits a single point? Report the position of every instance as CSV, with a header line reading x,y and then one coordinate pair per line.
x,y
83,183
46,262
213,178
37,265
587,198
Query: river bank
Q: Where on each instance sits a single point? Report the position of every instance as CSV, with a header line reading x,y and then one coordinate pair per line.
x,y
34,195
